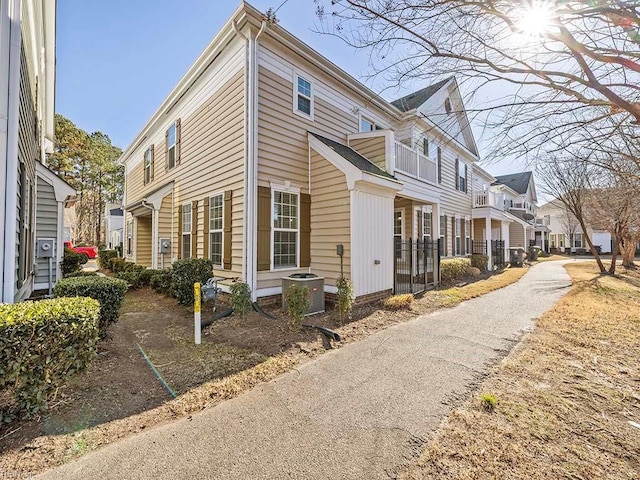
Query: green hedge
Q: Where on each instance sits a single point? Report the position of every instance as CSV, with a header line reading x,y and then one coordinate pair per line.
x,y
104,256
82,273
137,276
184,273
160,281
481,262
41,345
71,262
108,291
452,269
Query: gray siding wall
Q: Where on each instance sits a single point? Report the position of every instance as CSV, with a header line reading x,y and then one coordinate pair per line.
x,y
46,227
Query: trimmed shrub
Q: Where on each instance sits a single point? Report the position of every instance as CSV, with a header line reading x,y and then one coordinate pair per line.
x,y
104,256
109,292
160,281
398,302
452,269
473,272
298,303
136,276
71,262
41,345
345,297
184,273
481,262
240,298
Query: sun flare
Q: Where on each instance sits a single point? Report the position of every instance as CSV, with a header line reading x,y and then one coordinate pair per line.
x,y
536,18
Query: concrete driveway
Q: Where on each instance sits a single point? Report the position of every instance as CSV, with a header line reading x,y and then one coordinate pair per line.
x,y
359,412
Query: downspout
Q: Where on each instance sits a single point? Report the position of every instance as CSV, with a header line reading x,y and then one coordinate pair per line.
x,y
10,167
5,36
251,176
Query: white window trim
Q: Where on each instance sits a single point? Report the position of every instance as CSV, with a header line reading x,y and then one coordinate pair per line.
x,y
401,210
175,145
458,228
286,188
217,194
187,233
308,78
147,152
424,235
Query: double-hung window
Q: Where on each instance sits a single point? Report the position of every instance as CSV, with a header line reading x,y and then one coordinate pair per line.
x,y
467,236
304,96
186,230
463,177
367,125
426,226
285,229
148,165
172,146
216,223
443,235
578,240
456,226
439,156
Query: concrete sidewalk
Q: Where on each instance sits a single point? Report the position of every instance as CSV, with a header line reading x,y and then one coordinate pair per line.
x,y
361,411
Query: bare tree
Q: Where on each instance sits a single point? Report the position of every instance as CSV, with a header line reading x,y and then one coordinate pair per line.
x,y
569,225
573,67
569,181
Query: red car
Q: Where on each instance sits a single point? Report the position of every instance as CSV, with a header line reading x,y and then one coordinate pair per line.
x,y
89,252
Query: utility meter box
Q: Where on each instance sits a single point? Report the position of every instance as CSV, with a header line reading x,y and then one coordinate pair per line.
x,y
314,283
45,248
165,245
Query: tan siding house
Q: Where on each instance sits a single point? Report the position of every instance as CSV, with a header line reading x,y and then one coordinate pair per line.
x,y
270,160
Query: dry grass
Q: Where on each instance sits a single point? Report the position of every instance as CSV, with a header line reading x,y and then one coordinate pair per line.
x,y
398,302
567,396
455,295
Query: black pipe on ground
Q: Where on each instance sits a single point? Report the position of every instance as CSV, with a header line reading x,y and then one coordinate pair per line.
x,y
216,317
259,309
330,334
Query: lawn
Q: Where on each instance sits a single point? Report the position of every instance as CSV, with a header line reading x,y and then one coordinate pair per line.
x,y
567,400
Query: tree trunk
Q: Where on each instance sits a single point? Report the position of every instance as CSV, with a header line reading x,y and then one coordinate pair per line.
x,y
594,252
628,250
614,254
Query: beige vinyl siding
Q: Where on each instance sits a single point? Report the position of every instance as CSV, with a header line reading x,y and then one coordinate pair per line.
x,y
478,229
453,202
142,239
211,161
46,227
372,149
330,220
165,230
516,235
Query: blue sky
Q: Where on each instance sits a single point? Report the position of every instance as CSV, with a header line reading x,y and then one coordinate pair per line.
x,y
117,60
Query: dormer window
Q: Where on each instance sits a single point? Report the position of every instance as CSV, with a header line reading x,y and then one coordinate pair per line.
x,y
303,100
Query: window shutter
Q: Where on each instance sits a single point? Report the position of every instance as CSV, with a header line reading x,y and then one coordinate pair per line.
x,y
153,162
205,229
446,236
466,179
457,174
226,237
166,155
194,229
178,141
180,232
264,228
463,227
305,230
439,165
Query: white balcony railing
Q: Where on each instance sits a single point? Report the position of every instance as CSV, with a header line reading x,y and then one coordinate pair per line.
x,y
489,199
412,163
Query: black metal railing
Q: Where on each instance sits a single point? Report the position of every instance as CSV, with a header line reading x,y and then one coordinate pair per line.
x,y
479,247
498,253
416,265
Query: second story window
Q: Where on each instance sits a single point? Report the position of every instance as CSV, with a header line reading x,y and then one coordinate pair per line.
x,y
304,96
172,138
148,165
425,146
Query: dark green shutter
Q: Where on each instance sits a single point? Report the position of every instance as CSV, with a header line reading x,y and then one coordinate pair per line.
x,y
227,236
205,229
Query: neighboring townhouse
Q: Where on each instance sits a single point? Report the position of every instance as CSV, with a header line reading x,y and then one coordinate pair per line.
x,y
270,160
504,213
565,233
113,225
27,74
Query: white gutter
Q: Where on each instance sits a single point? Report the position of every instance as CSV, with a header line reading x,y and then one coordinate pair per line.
x,y
250,224
10,163
49,14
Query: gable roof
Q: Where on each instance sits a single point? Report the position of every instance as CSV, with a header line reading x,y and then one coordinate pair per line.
x,y
354,157
518,182
416,99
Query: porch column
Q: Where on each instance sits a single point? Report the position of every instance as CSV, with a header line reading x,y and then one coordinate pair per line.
x,y
435,220
487,229
155,217
505,238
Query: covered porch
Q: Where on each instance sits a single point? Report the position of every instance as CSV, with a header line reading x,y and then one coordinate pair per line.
x,y
152,222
